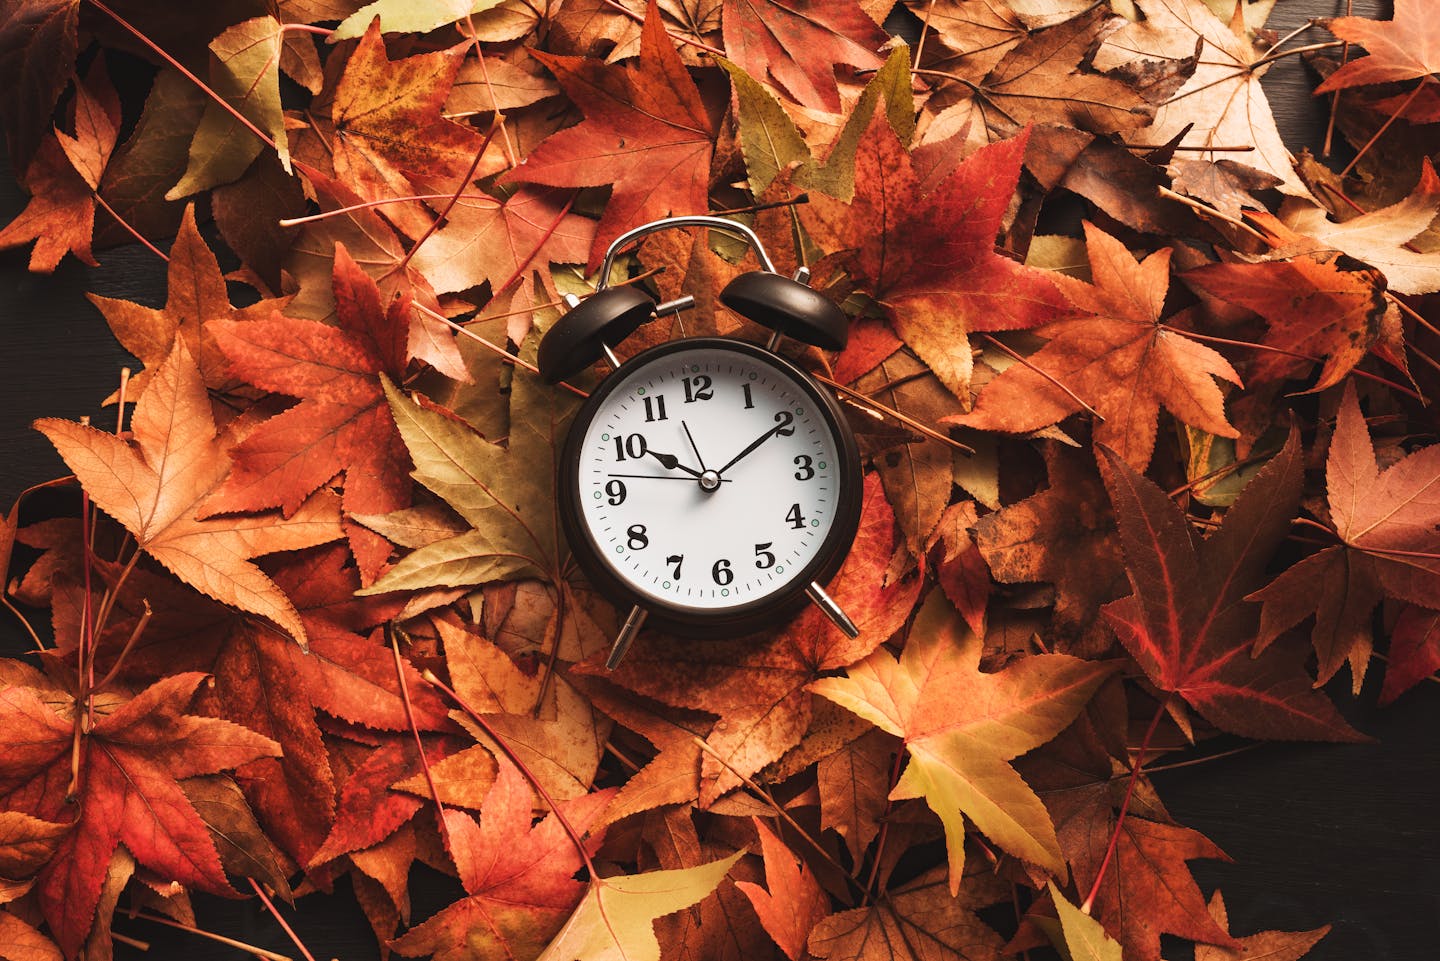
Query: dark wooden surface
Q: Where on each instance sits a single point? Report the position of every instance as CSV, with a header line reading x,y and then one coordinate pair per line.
x,y
1345,835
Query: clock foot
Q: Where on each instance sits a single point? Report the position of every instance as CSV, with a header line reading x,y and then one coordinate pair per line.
x,y
830,609
628,630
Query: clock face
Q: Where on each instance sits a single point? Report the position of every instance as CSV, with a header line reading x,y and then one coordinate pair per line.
x,y
710,478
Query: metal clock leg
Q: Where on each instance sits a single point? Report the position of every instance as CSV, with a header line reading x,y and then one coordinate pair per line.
x,y
628,630
830,609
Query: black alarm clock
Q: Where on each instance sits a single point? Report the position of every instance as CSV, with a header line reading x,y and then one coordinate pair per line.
x,y
709,485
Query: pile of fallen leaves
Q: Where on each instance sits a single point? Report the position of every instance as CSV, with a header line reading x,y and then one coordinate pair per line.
x,y
1142,399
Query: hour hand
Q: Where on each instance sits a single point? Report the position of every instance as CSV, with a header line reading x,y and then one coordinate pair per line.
x,y
671,462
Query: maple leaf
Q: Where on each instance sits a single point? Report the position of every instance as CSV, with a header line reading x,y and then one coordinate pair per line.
x,y
518,879
1048,77
490,241
195,295
797,43
38,44
1119,357
962,727
342,422
1062,535
1223,103
615,919
646,131
505,493
1414,651
390,138
60,217
1265,946
919,921
928,256
1147,890
154,490
758,686
1187,625
1379,238
245,72
1406,47
1325,303
134,752
1385,522
794,903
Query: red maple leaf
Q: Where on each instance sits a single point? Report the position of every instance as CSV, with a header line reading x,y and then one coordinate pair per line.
x,y
130,760
1187,624
342,422
927,254
797,43
1404,48
646,131
1386,522
518,878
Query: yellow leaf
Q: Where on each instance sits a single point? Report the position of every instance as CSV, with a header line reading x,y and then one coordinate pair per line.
x,y
616,919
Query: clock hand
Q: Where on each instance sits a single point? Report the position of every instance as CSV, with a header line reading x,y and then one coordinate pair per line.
x,y
691,439
723,480
784,420
671,462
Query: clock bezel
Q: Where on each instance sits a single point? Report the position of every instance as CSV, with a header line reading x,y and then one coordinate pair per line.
x,y
750,615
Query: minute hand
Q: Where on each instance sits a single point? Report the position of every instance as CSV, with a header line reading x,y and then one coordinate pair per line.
x,y
785,421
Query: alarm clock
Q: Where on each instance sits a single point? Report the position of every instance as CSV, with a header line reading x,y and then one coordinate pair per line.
x,y
709,485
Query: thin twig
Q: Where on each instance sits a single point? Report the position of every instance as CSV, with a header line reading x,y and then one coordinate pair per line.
x,y
252,949
491,345
1209,211
285,925
1384,127
867,401
444,212
341,211
1025,362
1125,803
129,228
699,44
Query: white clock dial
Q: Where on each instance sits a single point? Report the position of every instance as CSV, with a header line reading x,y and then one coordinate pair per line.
x,y
708,479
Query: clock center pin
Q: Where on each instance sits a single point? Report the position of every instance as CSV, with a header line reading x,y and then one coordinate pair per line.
x,y
710,481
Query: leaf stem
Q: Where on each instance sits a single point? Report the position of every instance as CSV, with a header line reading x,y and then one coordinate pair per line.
x,y
105,205
865,400
511,158
135,633
341,211
1125,803
390,634
1025,362
285,925
444,212
1384,127
884,823
491,345
1209,211
249,948
1401,388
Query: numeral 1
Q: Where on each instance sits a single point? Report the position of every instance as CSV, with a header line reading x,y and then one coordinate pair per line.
x,y
749,401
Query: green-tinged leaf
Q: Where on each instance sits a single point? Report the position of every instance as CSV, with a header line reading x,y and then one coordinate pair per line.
x,y
1084,938
409,16
505,493
246,72
616,918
